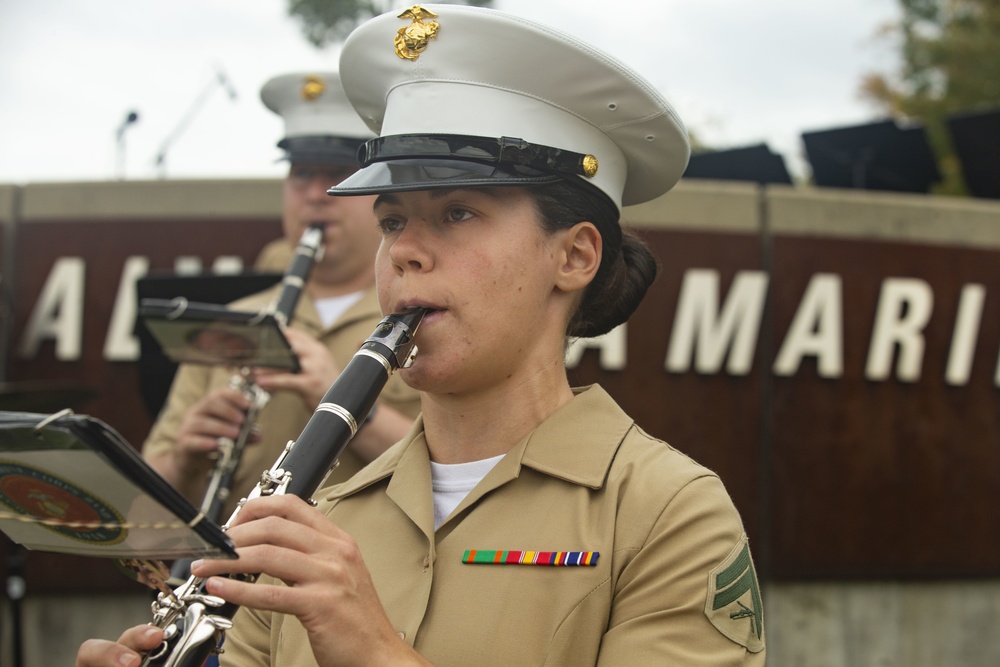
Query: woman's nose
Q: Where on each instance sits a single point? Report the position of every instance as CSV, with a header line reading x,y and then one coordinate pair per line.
x,y
410,249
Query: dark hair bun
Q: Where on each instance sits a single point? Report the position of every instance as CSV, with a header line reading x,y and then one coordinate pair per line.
x,y
612,301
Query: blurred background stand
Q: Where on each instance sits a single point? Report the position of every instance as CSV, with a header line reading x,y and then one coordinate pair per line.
x,y
877,156
975,136
757,164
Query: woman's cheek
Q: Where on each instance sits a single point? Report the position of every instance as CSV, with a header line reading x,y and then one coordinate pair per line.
x,y
383,283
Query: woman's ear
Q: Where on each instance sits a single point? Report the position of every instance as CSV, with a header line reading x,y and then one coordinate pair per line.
x,y
581,257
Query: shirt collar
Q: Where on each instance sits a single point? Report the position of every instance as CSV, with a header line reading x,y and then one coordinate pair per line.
x,y
576,444
579,441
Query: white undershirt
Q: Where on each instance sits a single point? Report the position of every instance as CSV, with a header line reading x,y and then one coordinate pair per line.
x,y
331,308
451,483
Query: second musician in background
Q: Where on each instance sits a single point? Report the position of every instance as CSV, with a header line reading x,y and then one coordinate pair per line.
x,y
337,311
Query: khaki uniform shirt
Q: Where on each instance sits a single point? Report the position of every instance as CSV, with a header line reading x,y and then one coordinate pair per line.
x,y
285,414
673,583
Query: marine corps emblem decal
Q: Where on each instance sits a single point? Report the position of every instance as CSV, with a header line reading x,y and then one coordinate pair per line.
x,y
734,604
413,39
59,505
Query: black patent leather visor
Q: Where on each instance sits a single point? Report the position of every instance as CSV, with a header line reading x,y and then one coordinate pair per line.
x,y
408,162
321,150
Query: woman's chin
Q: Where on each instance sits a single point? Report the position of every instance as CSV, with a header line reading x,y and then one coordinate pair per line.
x,y
426,376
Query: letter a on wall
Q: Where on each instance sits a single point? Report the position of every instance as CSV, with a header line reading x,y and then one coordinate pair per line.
x,y
58,312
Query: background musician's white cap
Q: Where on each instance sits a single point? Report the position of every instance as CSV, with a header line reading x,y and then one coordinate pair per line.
x,y
321,126
469,96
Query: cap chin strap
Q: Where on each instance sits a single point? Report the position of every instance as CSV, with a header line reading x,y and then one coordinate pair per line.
x,y
516,154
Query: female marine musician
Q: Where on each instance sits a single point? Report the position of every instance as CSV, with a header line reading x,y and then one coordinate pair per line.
x,y
521,521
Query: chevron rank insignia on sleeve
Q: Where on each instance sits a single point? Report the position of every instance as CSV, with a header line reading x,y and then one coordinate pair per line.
x,y
734,603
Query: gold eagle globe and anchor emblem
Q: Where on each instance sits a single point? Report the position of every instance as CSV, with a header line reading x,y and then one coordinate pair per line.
x,y
312,87
411,41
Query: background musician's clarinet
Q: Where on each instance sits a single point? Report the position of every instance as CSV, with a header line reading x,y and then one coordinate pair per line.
x,y
230,451
194,622
292,285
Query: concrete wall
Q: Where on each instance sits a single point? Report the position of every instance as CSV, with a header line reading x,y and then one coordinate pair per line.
x,y
818,624
138,200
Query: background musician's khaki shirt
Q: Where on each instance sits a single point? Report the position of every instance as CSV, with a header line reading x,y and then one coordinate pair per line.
x,y
673,585
285,414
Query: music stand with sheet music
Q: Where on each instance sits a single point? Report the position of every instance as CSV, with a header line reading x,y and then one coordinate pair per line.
x,y
71,484
156,370
203,333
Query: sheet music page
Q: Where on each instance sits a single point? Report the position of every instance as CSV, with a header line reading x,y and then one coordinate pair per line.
x,y
59,495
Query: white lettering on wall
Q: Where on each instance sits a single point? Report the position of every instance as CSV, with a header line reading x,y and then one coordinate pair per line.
x,y
963,340
224,265
817,329
700,330
703,334
611,346
187,265
904,307
227,265
58,313
121,343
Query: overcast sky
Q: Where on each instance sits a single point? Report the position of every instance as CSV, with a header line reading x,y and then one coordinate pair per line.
x,y
739,72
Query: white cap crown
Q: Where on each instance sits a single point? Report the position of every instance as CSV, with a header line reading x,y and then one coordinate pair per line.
x,y
319,121
458,70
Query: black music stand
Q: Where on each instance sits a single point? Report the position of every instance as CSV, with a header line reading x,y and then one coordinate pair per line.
x,y
757,164
976,138
71,484
29,396
877,156
156,370
204,333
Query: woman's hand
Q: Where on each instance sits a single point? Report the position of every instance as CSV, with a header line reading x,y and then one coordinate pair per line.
x,y
124,653
327,586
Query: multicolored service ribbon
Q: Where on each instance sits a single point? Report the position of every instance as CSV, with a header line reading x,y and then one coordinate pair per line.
x,y
505,557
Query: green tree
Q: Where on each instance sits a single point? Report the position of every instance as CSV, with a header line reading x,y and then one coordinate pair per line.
x,y
950,54
326,22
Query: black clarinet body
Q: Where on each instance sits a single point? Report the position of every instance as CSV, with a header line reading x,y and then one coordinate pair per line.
x,y
294,280
194,622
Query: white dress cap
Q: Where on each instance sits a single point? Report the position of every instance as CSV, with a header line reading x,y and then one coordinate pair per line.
x,y
320,124
433,70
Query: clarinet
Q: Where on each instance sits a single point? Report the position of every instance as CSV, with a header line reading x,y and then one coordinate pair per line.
x,y
194,623
292,285
231,451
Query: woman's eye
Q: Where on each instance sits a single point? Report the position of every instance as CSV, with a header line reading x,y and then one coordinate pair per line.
x,y
458,214
390,225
